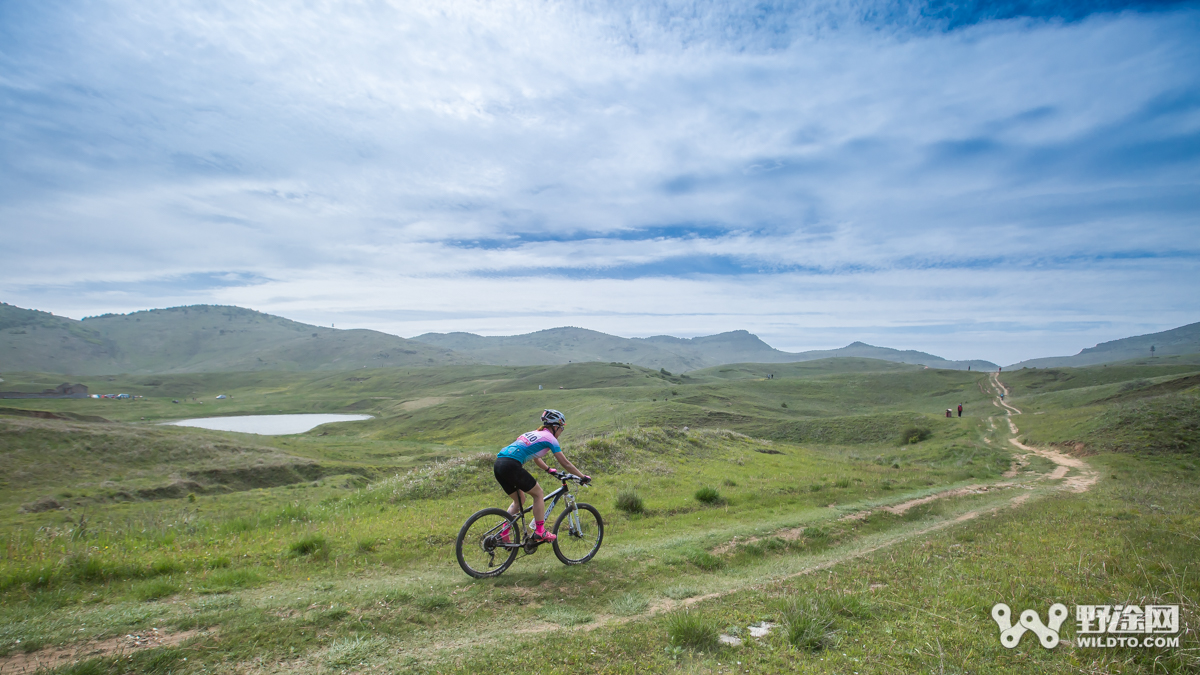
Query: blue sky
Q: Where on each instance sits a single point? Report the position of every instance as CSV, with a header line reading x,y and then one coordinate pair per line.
x,y
978,180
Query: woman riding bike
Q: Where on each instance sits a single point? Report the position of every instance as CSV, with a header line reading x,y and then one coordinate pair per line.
x,y
517,482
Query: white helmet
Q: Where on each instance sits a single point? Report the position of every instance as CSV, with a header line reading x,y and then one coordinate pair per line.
x,y
552,418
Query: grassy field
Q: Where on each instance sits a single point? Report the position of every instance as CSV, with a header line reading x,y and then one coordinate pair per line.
x,y
332,551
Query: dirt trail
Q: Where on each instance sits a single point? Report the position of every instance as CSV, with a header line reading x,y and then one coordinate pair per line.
x,y
55,657
1085,477
1000,402
427,402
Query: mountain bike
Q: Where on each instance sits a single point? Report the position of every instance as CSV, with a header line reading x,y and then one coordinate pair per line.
x,y
491,539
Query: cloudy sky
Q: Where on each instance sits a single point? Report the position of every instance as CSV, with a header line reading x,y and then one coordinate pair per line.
x,y
978,180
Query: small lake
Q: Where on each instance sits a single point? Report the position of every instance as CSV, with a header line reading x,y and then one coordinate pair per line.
x,y
267,425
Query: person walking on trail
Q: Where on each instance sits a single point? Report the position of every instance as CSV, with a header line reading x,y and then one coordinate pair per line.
x,y
517,482
960,410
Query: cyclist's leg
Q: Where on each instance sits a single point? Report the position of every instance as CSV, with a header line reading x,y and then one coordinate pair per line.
x,y
519,483
539,502
539,514
512,477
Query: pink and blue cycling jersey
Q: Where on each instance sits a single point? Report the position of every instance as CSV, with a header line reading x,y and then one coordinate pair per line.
x,y
532,444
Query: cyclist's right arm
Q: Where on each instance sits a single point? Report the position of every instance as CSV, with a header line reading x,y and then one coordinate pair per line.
x,y
566,464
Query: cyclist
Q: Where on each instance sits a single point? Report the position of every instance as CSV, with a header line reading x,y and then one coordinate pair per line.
x,y
516,481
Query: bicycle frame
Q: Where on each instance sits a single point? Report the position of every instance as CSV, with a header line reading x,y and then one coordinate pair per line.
x,y
551,500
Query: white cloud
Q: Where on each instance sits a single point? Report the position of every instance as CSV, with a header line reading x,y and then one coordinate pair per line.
x,y
867,179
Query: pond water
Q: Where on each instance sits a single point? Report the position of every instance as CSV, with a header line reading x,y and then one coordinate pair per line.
x,y
268,425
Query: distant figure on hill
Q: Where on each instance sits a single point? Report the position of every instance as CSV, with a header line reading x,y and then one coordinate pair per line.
x,y
516,481
960,410
948,411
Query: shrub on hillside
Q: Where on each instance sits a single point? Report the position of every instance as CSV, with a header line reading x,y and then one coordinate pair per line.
x,y
313,545
914,434
705,560
710,496
630,501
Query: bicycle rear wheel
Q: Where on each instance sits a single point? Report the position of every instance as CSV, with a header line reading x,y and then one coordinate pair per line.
x,y
578,542
479,548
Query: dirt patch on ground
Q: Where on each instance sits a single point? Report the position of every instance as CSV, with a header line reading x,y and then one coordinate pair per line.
x,y
55,657
1019,462
1059,473
418,403
900,509
1085,477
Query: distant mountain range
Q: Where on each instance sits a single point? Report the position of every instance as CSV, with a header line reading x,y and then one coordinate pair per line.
x,y
213,338
1182,340
565,345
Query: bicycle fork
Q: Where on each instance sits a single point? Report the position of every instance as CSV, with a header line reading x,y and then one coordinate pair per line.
x,y
574,529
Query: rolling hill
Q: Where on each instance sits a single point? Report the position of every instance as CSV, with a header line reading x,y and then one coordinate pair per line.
x,y
564,345
1182,340
200,338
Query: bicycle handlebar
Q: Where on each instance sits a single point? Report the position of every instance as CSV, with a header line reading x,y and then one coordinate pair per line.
x,y
565,476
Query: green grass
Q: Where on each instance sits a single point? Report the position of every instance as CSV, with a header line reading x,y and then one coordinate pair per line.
x,y
565,615
629,604
680,592
691,630
154,589
351,652
815,623
296,572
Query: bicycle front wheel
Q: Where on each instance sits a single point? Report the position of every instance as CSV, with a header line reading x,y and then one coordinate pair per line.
x,y
480,549
579,532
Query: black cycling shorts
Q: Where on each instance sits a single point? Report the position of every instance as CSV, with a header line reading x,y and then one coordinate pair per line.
x,y
512,476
